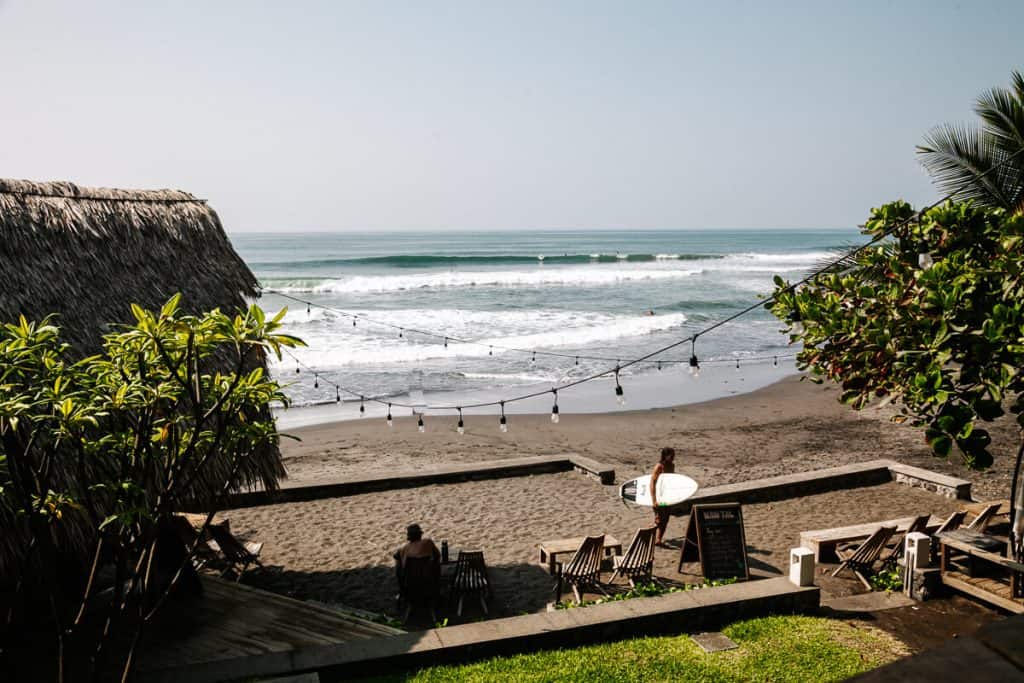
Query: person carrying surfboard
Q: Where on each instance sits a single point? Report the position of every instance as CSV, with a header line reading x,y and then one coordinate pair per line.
x,y
661,514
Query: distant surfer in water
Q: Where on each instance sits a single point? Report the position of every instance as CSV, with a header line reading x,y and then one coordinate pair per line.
x,y
666,465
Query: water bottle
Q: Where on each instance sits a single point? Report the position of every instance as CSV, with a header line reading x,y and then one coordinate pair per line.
x,y
444,550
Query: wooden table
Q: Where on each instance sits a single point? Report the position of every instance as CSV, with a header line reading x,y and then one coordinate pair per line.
x,y
981,547
549,550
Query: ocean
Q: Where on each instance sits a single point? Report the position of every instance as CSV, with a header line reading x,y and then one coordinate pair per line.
x,y
607,294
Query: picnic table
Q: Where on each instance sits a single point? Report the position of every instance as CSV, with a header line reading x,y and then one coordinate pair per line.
x,y
981,547
550,550
824,541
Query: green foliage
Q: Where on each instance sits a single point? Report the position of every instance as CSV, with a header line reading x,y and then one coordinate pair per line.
x,y
945,341
887,580
646,590
97,454
790,648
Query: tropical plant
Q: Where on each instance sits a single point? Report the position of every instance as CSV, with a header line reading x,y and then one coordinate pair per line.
x,y
97,455
984,163
932,318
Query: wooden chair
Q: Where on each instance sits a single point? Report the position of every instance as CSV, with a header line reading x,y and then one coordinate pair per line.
x,y
919,525
862,560
952,523
583,570
638,560
238,556
470,578
984,517
420,584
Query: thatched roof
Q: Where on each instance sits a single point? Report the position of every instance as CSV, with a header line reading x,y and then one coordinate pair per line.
x,y
87,253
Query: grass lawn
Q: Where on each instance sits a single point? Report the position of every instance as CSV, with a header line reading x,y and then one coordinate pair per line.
x,y
790,648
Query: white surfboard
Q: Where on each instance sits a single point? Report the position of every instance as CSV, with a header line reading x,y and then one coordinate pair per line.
x,y
672,490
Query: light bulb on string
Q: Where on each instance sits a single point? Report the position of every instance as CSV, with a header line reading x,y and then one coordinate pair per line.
x,y
309,311
316,381
400,332
297,366
737,365
461,428
620,395
577,360
534,357
554,407
694,363
446,342
502,422
659,365
775,361
354,320
362,407
490,350
420,426
391,423
337,394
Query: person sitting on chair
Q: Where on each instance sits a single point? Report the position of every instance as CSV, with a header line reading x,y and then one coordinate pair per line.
x,y
417,546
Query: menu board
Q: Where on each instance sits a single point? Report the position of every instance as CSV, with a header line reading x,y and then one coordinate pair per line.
x,y
715,535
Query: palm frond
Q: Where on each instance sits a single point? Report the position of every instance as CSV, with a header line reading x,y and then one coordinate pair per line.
x,y
963,160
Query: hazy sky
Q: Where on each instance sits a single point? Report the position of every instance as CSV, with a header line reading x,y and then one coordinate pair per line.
x,y
433,115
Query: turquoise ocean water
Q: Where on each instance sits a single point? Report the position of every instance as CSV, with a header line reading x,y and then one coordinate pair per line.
x,y
573,292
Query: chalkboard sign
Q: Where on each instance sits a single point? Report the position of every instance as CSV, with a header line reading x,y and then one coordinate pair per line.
x,y
714,535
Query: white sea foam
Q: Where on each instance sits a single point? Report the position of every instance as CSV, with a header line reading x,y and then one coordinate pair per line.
x,y
571,277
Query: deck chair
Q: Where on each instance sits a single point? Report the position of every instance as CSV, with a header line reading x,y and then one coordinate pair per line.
x,y
952,523
984,517
638,561
470,578
189,537
238,555
862,560
583,570
420,585
918,526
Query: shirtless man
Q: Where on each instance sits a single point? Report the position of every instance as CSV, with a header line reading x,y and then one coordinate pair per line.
x,y
416,547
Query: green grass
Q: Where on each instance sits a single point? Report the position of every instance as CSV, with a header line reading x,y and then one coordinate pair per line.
x,y
791,648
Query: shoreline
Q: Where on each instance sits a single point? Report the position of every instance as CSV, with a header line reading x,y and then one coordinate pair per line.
x,y
668,388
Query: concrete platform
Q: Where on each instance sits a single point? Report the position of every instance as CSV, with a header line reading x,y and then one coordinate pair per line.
x,y
442,474
691,611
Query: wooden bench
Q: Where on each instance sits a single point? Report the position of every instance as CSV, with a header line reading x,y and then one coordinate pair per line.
x,y
977,547
550,550
824,541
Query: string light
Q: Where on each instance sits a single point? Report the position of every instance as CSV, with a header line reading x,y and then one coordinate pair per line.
x,y
554,407
446,342
503,423
400,332
737,365
775,361
362,407
534,357
309,309
420,426
694,363
659,365
297,366
461,429
620,395
391,423
490,350
354,320
337,394
577,360
316,381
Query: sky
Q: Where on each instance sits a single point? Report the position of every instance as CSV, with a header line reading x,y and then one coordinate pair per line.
x,y
482,115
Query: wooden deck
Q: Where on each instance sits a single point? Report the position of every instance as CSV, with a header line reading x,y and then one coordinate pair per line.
x,y
232,621
993,590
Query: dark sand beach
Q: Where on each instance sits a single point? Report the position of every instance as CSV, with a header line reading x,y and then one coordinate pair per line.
x,y
339,550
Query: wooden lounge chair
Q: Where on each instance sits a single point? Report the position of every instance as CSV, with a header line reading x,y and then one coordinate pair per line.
x,y
237,555
952,523
984,517
189,536
421,585
583,570
470,578
862,560
919,525
638,561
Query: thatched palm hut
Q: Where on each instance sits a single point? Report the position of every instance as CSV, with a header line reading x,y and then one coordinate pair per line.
x,y
86,254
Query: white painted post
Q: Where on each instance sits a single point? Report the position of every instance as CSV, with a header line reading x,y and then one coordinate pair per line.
x,y
917,554
801,566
